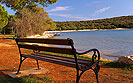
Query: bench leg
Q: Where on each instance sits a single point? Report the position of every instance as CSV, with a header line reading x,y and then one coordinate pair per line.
x,y
96,70
37,64
97,77
78,76
77,79
96,73
21,60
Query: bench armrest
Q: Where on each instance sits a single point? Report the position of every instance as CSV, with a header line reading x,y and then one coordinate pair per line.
x,y
95,54
95,58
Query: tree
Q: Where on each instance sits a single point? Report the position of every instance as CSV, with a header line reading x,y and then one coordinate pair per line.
x,y
8,29
3,17
108,23
20,4
29,23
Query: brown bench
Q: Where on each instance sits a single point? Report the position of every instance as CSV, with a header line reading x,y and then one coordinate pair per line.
x,y
40,52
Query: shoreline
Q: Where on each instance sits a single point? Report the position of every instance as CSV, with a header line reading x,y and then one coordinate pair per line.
x,y
86,30
51,34
45,35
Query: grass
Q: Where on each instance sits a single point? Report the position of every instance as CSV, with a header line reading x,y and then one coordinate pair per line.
x,y
11,70
111,69
45,79
4,66
125,72
67,82
67,55
74,70
14,69
27,79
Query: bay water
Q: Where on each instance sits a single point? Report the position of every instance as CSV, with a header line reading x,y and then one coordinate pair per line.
x,y
110,43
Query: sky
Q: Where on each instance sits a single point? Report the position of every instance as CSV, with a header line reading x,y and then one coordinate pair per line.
x,y
82,10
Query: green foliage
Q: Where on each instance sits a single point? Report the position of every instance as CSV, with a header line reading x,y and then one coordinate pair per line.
x,y
109,23
118,65
28,8
45,79
7,28
3,17
19,4
29,22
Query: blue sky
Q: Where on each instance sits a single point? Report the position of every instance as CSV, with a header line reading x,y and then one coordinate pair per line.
x,y
77,10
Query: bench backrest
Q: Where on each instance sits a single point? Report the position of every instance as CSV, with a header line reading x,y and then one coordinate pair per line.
x,y
33,41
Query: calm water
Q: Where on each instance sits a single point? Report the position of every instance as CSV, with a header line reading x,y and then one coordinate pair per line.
x,y
111,43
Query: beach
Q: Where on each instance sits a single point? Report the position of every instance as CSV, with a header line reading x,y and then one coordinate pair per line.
x,y
86,30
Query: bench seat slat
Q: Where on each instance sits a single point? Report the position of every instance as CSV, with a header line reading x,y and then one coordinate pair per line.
x,y
44,41
60,62
71,59
66,57
49,49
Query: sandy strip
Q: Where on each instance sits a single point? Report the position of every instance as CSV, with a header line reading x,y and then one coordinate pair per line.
x,y
84,30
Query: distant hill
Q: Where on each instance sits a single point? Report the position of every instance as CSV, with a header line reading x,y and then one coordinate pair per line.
x,y
108,23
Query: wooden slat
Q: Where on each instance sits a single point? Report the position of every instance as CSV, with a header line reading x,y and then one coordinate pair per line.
x,y
48,49
64,58
44,41
61,62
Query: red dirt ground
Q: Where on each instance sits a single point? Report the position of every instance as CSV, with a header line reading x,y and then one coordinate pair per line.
x,y
9,59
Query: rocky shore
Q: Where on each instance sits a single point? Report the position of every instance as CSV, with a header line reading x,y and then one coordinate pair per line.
x,y
46,34
126,60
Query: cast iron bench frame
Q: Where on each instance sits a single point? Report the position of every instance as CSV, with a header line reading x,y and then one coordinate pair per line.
x,y
78,63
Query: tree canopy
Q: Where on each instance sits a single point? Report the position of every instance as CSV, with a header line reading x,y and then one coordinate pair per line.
x,y
19,4
3,17
108,23
29,19
27,22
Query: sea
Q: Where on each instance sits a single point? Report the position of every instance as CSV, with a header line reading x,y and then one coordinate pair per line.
x,y
110,43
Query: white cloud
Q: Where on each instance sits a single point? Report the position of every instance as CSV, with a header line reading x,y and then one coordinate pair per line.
x,y
59,9
70,16
102,10
63,15
82,18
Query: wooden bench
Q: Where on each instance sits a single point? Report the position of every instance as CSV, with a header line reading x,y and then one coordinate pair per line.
x,y
40,52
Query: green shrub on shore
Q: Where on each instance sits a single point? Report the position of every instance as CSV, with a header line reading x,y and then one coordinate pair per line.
x,y
118,65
